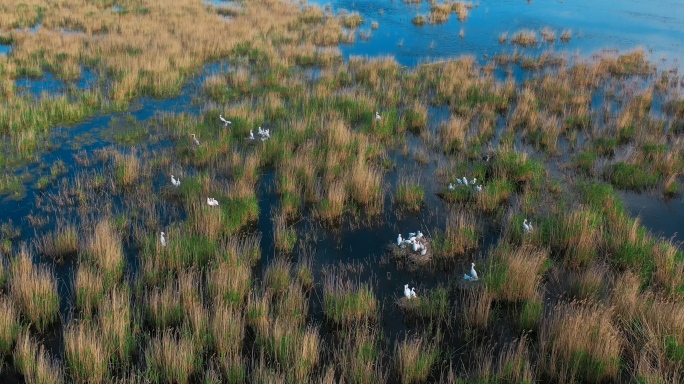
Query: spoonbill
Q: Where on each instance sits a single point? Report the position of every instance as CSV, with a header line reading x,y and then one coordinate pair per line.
x,y
465,181
407,292
459,182
451,187
419,235
162,240
194,139
413,292
478,188
473,181
473,274
225,122
212,202
176,183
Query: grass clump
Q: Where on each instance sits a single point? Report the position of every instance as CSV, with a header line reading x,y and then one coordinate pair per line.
x,y
59,244
410,193
345,302
9,325
86,355
172,358
631,176
514,274
34,363
580,342
416,357
33,289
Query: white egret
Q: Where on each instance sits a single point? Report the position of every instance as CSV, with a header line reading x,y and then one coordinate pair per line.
x,y
194,139
527,227
473,274
176,183
423,250
251,135
459,181
478,188
419,235
413,293
212,202
225,122
416,246
465,181
260,131
451,187
407,292
473,181
377,116
162,240
399,239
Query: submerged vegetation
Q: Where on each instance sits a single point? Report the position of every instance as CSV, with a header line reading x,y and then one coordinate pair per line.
x,y
139,279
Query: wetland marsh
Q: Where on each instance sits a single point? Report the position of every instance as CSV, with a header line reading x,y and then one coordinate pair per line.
x,y
375,110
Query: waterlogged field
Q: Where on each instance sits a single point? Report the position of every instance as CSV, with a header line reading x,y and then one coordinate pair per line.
x,y
115,138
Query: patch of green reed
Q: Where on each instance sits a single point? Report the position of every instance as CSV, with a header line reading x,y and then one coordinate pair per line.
x,y
433,305
632,176
531,314
238,211
132,136
346,302
519,169
33,362
416,357
604,146
359,355
584,161
411,196
277,276
601,197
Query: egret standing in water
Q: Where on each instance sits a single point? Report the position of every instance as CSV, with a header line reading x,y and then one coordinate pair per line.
x,y
162,240
473,274
194,139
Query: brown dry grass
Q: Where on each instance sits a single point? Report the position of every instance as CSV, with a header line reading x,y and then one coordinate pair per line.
x,y
86,353
579,340
34,363
33,289
522,272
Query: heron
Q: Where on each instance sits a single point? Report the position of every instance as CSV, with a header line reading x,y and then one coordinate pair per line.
x,y
175,182
194,138
225,122
162,240
473,273
407,292
212,202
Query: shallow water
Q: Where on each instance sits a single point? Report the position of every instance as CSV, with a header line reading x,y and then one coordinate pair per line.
x,y
5,49
657,26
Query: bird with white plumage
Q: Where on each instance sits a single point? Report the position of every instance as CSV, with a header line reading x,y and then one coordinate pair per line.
x,y
473,274
225,122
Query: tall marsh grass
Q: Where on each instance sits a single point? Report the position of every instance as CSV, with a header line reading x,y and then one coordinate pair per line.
x,y
33,289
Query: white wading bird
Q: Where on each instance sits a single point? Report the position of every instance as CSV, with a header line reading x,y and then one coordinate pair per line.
x,y
473,274
407,292
194,139
212,202
162,240
225,122
176,183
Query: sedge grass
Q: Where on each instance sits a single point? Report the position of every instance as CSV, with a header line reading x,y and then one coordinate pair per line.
x,y
34,363
33,290
416,358
86,354
9,325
